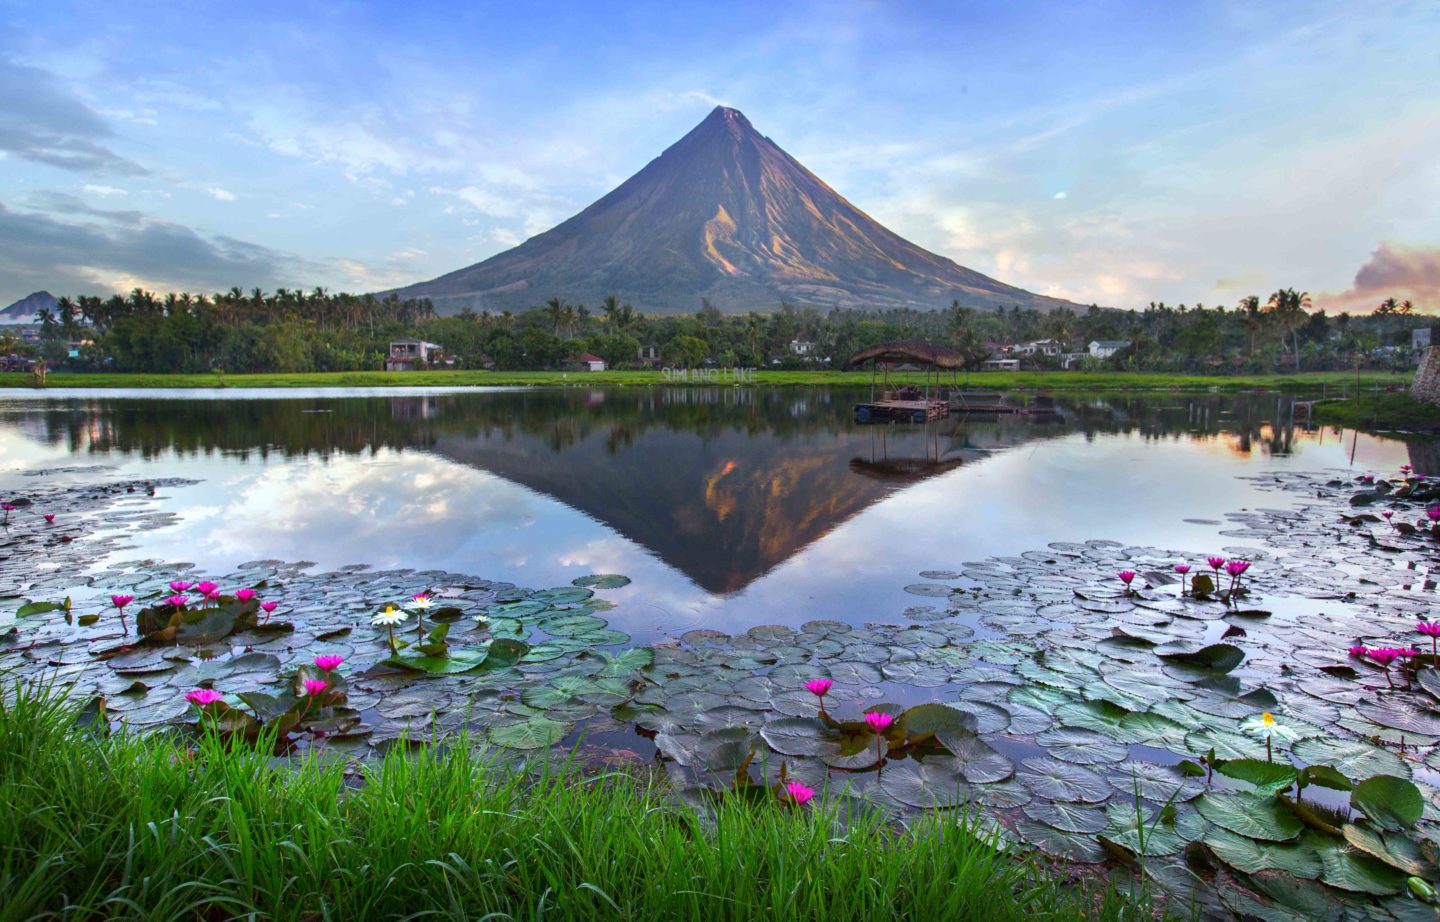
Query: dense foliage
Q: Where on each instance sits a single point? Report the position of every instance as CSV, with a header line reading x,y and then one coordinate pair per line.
x,y
295,331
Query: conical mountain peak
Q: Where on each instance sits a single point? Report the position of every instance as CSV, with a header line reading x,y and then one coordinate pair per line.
x,y
723,214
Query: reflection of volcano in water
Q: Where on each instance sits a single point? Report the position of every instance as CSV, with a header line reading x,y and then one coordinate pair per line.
x,y
724,507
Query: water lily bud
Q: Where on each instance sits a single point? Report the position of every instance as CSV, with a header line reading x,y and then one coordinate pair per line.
x,y
1421,890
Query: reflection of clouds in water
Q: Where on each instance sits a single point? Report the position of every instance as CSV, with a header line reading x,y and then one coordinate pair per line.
x,y
416,509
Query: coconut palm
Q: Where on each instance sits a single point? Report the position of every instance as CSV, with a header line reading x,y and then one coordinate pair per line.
x,y
1250,306
1287,308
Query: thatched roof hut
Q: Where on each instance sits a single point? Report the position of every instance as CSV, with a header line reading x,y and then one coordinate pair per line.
x,y
918,351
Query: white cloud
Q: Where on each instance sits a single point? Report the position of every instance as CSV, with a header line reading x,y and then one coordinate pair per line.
x,y
1061,195
102,191
221,194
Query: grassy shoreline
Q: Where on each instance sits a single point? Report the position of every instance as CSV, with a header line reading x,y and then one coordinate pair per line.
x,y
1379,412
1306,382
125,827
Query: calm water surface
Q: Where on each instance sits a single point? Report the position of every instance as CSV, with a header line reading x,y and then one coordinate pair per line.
x,y
728,507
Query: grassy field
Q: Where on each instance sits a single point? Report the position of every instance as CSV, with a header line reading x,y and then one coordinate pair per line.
x,y
129,828
1308,382
1379,411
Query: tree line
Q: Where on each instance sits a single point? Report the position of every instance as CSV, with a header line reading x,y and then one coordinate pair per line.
x,y
297,331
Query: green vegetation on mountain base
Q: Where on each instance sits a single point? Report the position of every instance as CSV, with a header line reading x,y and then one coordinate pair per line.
x,y
1306,382
1379,411
123,827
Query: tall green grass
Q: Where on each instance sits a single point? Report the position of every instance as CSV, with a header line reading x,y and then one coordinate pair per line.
x,y
131,827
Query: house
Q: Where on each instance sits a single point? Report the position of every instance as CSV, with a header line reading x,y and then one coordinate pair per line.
x,y
1041,347
648,355
1002,365
1104,348
589,362
410,354
801,347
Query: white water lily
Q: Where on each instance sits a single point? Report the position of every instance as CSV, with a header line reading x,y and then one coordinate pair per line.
x,y
1267,726
391,616
481,619
421,602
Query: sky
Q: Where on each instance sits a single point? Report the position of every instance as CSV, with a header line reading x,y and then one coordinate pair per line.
x,y
1108,152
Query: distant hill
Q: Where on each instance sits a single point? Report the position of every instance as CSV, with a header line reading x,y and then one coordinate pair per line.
x,y
24,310
723,214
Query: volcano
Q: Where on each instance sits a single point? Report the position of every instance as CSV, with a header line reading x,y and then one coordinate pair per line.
x,y
724,215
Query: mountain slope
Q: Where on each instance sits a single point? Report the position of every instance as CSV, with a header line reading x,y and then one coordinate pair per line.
x,y
722,214
24,310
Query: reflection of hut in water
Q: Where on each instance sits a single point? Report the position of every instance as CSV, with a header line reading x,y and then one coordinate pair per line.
x,y
907,403
903,470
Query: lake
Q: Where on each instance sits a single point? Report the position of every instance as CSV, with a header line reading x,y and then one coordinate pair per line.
x,y
727,507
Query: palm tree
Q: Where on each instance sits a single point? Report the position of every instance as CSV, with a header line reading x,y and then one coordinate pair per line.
x,y
555,313
1251,306
610,307
1287,307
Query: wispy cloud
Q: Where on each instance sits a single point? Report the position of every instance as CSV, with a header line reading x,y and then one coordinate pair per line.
x,y
43,122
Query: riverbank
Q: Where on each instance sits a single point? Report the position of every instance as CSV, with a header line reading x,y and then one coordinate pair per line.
x,y
171,828
1318,383
1380,412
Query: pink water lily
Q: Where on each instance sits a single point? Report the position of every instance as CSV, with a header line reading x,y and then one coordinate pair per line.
x,y
1358,650
1368,478
203,697
314,687
178,601
1215,563
328,662
879,721
1183,569
799,793
205,587
1388,513
1126,577
120,601
9,508
244,595
179,585
1431,629
819,688
269,608
1384,656
49,517
1433,513
1405,468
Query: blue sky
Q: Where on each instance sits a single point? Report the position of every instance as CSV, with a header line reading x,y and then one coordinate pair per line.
x,y
1117,152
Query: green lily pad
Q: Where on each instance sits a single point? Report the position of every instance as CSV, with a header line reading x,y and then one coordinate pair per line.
x,y
535,733
798,736
1069,817
1393,848
1057,780
601,581
1251,857
1347,869
1250,815
1266,777
935,783
1156,783
1352,758
979,762
1389,802
1081,746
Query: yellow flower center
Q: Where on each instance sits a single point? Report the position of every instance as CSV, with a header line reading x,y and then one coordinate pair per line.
x,y
1267,719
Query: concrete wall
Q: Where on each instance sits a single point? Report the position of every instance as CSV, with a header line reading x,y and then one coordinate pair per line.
x,y
1426,385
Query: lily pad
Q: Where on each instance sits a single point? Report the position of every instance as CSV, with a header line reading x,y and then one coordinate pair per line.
x,y
535,733
1057,780
1389,802
1250,815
